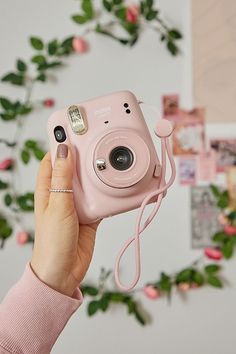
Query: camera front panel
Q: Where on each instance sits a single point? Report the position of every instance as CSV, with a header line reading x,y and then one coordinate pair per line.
x,y
115,136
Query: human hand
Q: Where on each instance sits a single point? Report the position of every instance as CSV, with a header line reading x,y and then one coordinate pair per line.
x,y
63,248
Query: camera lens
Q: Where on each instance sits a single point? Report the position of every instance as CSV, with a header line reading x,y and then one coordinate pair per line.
x,y
121,158
60,134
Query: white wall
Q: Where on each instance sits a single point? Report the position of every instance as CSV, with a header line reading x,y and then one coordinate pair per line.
x,y
203,323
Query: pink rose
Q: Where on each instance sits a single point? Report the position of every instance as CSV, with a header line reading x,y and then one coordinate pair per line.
x,y
6,164
132,13
183,286
79,45
22,238
230,230
223,219
213,253
151,292
49,102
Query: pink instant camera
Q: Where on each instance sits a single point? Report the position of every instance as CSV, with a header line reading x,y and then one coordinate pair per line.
x,y
116,165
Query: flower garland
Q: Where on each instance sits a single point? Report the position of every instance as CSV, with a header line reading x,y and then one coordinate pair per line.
x,y
202,272
132,19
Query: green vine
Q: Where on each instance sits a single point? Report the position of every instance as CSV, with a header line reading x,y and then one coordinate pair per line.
x,y
46,59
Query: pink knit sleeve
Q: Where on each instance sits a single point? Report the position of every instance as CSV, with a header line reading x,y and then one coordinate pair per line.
x,y
32,315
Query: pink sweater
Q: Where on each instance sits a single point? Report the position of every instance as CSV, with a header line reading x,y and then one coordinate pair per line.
x,y
32,316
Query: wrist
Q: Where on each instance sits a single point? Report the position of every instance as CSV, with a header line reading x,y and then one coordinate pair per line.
x,y
63,284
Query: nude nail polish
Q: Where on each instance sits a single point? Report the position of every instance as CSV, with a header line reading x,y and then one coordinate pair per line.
x,y
62,151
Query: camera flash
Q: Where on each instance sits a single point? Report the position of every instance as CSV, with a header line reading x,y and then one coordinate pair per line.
x,y
77,121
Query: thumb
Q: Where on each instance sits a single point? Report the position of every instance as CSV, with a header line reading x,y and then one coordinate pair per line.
x,y
62,179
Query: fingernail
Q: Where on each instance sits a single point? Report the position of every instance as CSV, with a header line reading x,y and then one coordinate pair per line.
x,y
62,151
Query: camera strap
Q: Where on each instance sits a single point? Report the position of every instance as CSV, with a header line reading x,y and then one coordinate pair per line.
x,y
163,130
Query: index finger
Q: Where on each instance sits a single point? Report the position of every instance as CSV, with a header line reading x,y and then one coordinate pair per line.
x,y
41,196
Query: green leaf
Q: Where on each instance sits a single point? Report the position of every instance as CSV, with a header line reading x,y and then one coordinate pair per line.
x,y
25,156
215,281
52,47
3,185
174,34
36,43
184,276
8,199
198,278
121,13
53,64
6,104
26,201
131,305
67,43
93,307
5,228
139,318
31,144
228,248
219,237
13,78
41,77
149,3
7,116
90,290
22,109
116,297
233,239
232,215
104,303
131,28
39,153
151,15
108,5
117,2
173,49
38,59
215,190
79,19
223,201
21,65
212,268
87,7
165,283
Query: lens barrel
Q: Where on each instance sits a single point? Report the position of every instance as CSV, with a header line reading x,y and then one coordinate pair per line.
x,y
121,158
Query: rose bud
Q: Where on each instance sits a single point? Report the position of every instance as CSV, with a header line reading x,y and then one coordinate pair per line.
x,y
151,292
49,102
213,253
132,13
6,164
79,45
230,230
22,238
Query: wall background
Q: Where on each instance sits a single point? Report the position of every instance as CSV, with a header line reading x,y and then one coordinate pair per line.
x,y
205,322
214,54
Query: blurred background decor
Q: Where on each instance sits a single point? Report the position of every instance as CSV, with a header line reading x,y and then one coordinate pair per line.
x,y
125,45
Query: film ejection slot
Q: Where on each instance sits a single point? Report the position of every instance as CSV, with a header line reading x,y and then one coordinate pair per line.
x,y
77,121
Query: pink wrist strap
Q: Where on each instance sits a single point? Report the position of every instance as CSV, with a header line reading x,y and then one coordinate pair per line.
x,y
163,130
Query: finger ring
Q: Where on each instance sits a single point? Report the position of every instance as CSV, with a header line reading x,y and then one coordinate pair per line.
x,y
58,190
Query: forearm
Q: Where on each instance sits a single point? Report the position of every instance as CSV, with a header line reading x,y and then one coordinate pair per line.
x,y
32,316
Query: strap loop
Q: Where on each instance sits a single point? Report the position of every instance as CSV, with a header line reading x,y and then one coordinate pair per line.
x,y
163,130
